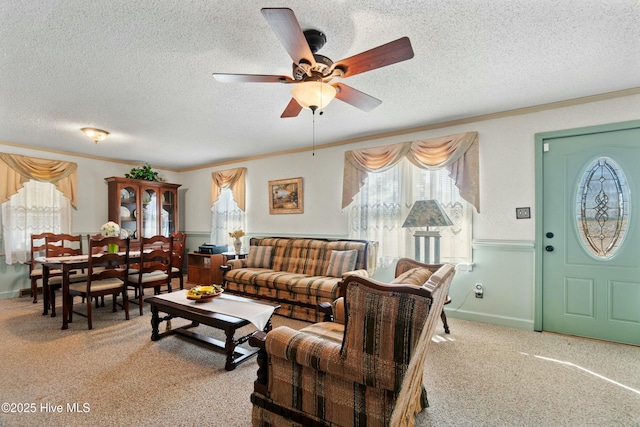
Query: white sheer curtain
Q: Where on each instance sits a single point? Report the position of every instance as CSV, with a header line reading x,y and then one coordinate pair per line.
x,y
227,217
150,218
37,208
380,208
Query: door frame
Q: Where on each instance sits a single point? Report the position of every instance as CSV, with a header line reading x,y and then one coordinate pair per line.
x,y
540,139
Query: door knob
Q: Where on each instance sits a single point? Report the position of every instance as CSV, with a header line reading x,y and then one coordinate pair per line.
x,y
549,235
549,248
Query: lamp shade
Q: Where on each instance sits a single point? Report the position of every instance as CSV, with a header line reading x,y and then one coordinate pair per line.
x,y
96,135
313,94
427,213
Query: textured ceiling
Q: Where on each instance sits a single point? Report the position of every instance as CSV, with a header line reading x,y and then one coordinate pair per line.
x,y
143,70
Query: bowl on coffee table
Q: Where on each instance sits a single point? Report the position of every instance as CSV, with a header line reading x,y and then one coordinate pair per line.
x,y
202,293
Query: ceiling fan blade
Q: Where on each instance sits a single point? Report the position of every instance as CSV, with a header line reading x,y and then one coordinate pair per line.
x,y
356,98
292,110
251,78
283,22
381,56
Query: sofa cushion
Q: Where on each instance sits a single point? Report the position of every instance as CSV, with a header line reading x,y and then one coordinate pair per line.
x,y
416,276
259,257
278,279
340,262
299,284
246,276
321,286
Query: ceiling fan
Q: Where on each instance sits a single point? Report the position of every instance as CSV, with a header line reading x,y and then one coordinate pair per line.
x,y
312,72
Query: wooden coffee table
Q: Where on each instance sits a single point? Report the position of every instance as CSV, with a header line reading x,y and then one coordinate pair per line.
x,y
204,313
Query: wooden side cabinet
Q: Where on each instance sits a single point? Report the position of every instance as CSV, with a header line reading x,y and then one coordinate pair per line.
x,y
204,269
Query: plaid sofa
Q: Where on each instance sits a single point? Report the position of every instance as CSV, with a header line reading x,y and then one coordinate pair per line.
x,y
366,372
295,274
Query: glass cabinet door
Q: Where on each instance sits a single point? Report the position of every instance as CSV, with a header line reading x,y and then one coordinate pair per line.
x,y
128,198
149,212
167,224
143,208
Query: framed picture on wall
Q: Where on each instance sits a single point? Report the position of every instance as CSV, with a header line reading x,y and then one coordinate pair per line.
x,y
285,196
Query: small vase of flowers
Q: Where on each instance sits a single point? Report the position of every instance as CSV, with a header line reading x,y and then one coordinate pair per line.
x,y
111,229
237,243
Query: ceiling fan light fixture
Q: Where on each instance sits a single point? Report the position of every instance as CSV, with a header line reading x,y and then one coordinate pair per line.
x,y
316,94
96,135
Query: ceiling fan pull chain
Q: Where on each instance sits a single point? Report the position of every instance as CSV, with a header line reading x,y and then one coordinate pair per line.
x,y
313,132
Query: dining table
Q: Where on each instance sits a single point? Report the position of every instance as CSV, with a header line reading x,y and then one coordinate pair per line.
x,y
67,264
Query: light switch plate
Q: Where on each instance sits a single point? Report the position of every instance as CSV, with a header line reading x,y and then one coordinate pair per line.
x,y
523,213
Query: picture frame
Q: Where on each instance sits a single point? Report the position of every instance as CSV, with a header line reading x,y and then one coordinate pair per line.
x,y
286,196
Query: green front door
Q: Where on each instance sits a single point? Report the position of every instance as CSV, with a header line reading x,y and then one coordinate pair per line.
x,y
589,232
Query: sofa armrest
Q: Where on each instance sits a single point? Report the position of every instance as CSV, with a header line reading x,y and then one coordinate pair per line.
x,y
343,280
355,272
235,263
405,264
327,310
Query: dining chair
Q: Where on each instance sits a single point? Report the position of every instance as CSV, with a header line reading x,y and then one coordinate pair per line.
x,y
38,249
154,269
177,262
106,275
58,245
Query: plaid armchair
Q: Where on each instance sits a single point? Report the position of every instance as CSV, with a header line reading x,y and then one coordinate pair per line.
x,y
367,371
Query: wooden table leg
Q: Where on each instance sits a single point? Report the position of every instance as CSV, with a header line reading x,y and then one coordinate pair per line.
x,y
45,290
229,347
52,299
155,323
65,296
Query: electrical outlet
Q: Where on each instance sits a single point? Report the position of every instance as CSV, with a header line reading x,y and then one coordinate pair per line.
x,y
479,289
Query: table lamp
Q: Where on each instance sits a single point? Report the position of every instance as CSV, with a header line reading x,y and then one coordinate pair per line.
x,y
427,213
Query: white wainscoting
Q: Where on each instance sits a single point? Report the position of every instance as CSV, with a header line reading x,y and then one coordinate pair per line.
x,y
506,270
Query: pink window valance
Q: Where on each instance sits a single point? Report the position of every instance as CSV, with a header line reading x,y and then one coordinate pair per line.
x,y
458,153
16,169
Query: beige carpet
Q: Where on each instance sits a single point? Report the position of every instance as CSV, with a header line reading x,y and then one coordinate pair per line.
x,y
479,375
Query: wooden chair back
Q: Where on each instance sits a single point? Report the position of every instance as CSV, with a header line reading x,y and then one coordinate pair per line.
x,y
38,249
58,245
106,275
154,270
107,265
177,262
63,245
156,255
179,243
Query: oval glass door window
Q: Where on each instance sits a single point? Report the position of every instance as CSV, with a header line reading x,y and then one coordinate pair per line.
x,y
602,208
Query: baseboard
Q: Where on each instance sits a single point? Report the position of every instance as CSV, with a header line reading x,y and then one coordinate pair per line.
x,y
15,294
26,292
510,322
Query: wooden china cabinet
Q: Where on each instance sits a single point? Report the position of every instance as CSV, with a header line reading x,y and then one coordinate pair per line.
x,y
144,208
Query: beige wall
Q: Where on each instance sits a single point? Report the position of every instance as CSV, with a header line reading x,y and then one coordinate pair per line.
x,y
506,174
507,181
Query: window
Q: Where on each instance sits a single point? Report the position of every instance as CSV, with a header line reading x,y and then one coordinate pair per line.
x,y
227,217
380,208
602,208
37,208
